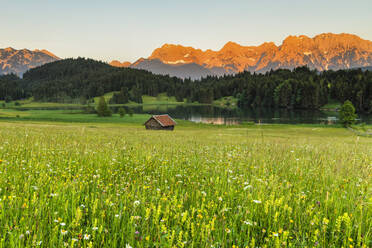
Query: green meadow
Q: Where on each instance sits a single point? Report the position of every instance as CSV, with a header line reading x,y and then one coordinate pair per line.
x,y
119,185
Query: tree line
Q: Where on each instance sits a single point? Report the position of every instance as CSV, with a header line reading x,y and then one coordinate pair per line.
x,y
82,79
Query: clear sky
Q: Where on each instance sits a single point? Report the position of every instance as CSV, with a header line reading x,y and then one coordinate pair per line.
x,y
126,30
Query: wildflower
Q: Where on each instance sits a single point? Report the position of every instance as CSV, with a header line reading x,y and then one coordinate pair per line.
x,y
128,246
21,236
275,234
247,187
64,232
228,230
74,239
27,232
136,203
87,236
203,193
39,243
95,228
147,238
136,232
220,198
350,239
56,221
116,215
247,222
257,201
63,224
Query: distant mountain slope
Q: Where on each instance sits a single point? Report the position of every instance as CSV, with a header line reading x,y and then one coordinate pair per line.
x,y
19,61
322,52
192,70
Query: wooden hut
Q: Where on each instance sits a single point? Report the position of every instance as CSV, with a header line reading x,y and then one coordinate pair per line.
x,y
160,122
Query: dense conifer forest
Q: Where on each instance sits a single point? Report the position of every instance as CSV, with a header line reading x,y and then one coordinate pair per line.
x,y
71,79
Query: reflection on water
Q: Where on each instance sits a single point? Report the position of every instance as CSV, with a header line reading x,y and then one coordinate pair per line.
x,y
223,116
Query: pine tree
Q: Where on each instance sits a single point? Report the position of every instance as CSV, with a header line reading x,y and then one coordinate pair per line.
x,y
102,109
347,114
122,112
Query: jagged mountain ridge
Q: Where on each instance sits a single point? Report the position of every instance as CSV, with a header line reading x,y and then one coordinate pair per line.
x,y
19,61
323,52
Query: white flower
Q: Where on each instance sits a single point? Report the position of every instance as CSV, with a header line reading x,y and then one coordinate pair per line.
x,y
74,239
95,228
56,221
136,203
21,236
247,187
128,246
248,222
63,224
64,232
27,232
220,198
86,236
116,215
275,234
257,201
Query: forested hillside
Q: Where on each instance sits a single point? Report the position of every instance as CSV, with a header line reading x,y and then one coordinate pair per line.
x,y
83,79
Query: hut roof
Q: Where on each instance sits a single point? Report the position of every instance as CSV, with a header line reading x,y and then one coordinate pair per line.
x,y
163,120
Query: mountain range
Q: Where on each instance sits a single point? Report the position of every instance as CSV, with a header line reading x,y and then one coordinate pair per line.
x,y
323,52
19,61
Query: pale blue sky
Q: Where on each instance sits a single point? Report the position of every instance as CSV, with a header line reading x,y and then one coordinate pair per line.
x,y
126,30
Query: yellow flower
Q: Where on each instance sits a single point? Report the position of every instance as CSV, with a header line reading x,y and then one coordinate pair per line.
x,y
147,238
350,239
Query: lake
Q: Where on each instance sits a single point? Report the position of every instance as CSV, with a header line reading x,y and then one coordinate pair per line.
x,y
224,116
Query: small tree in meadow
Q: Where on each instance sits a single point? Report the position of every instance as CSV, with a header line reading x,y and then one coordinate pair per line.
x,y
102,109
122,112
347,114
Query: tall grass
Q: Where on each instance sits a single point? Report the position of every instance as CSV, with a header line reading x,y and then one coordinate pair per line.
x,y
111,186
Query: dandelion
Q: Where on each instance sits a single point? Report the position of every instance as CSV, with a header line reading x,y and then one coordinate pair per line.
x,y
87,236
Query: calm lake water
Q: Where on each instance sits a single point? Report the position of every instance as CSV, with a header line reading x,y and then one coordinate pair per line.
x,y
217,115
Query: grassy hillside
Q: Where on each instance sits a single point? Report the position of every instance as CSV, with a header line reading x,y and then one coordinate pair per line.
x,y
116,185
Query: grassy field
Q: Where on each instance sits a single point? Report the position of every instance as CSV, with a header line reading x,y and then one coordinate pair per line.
x,y
115,185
